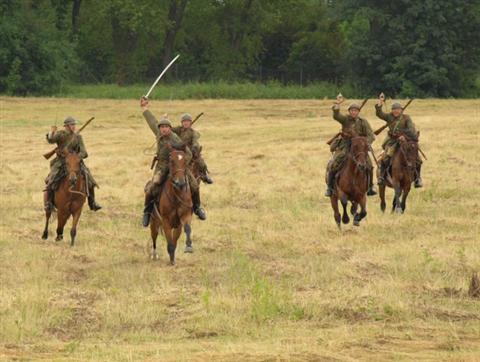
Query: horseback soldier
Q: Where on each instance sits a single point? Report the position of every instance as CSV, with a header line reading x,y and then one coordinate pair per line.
x,y
190,137
400,127
165,140
67,140
351,124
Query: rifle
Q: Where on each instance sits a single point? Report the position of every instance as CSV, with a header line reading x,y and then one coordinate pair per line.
x,y
52,152
196,118
329,142
378,131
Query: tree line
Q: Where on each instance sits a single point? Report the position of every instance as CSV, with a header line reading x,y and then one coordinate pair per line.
x,y
426,48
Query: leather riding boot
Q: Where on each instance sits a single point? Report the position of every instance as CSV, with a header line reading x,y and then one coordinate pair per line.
x,y
418,181
91,200
206,178
148,208
197,206
330,183
371,189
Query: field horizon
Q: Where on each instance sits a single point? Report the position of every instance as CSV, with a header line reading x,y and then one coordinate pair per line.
x,y
271,277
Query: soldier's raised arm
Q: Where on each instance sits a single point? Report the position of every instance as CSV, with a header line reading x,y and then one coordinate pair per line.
x,y
53,136
149,117
378,108
83,150
337,116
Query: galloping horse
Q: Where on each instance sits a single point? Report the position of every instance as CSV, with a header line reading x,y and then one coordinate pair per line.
x,y
69,197
352,182
403,168
174,207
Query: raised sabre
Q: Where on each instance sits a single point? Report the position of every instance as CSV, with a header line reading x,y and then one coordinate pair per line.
x,y
160,76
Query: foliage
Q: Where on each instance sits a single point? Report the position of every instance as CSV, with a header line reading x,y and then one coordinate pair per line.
x,y
404,48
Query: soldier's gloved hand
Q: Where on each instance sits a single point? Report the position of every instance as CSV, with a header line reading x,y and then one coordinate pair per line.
x,y
144,103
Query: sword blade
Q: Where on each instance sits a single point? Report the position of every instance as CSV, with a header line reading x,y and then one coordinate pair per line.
x,y
161,75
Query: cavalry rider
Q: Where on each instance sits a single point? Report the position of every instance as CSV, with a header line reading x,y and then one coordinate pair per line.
x,y
190,137
351,124
67,140
166,139
400,128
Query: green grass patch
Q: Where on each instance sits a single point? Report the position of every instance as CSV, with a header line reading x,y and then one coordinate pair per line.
x,y
212,90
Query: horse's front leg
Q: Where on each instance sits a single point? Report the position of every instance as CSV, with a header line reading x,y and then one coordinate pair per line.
x,y
48,213
405,193
396,207
188,242
73,231
363,211
336,212
345,218
62,216
381,191
186,220
171,244
154,229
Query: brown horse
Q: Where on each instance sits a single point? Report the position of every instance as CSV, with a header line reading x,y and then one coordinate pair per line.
x,y
351,183
401,176
69,197
174,207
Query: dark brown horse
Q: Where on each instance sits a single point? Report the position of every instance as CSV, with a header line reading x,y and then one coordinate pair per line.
x,y
351,183
174,207
401,176
69,197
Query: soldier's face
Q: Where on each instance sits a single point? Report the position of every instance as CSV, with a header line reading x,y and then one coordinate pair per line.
x,y
187,124
354,112
164,130
70,128
396,112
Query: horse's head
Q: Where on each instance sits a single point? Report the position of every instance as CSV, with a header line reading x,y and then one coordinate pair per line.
x,y
178,166
359,151
72,163
409,150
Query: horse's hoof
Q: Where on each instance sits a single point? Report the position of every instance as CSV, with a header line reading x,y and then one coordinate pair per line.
x,y
59,238
154,256
172,262
356,223
339,226
399,210
346,220
45,236
188,249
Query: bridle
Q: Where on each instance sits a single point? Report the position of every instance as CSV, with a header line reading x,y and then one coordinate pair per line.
x,y
410,164
361,166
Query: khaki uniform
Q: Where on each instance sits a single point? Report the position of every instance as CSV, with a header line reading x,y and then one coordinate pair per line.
x,y
340,146
70,142
396,125
190,137
163,153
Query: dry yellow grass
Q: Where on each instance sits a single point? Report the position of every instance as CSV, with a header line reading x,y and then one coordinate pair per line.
x,y
271,277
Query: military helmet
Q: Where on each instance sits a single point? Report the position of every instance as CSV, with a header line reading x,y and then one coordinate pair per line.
x,y
69,121
164,122
353,105
396,105
186,117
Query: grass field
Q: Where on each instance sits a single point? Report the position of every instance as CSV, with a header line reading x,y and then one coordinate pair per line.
x,y
271,277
